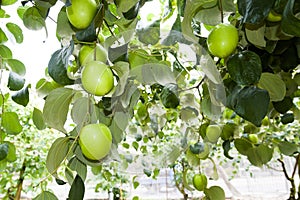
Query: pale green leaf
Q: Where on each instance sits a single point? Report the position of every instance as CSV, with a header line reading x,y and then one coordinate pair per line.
x,y
33,20
257,36
45,195
16,31
11,123
56,107
57,154
38,119
274,85
16,66
215,193
76,165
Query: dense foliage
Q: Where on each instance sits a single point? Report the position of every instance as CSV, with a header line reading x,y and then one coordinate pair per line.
x,y
175,102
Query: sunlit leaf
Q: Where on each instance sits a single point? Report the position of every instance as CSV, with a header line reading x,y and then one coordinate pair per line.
x,y
260,155
8,2
11,154
33,19
256,36
11,123
215,193
58,100
16,66
3,151
56,155
16,31
5,52
3,37
44,87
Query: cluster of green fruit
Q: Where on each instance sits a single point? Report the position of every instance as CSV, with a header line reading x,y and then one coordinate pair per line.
x,y
97,79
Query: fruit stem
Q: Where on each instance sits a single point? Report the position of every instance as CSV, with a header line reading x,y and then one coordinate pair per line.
x,y
221,9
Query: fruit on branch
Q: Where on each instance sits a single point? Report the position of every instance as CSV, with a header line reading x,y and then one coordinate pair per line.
x,y
274,17
95,141
213,132
200,181
81,13
253,138
222,40
88,53
97,78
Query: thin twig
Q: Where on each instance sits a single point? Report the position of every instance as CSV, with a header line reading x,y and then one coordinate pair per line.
x,y
221,9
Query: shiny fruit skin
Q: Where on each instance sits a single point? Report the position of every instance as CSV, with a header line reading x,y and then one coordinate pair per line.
x,y
97,78
95,141
213,132
222,40
253,138
81,13
200,181
87,54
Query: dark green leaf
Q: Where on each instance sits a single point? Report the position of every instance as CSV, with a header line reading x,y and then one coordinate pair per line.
x,y
45,195
226,147
254,11
290,23
45,3
88,34
11,123
33,19
251,103
22,97
169,96
77,189
58,64
260,155
58,100
15,81
3,151
210,16
242,145
38,119
283,106
287,118
132,12
245,67
288,148
56,155
16,31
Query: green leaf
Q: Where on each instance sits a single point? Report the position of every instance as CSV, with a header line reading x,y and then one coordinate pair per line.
x,y
3,151
46,3
125,5
210,16
11,123
33,20
63,28
8,2
22,97
38,119
214,193
21,10
11,154
169,96
274,85
45,195
257,36
254,11
3,14
191,8
16,31
58,64
58,100
16,66
84,111
15,81
149,74
242,145
118,126
284,105
290,23
208,66
77,189
288,148
149,35
3,37
76,165
245,67
245,104
5,52
56,155
44,87
260,155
